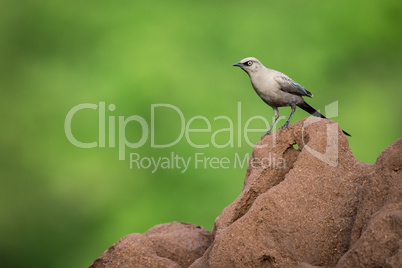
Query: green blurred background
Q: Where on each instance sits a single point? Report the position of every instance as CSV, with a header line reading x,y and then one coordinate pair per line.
x,y
62,206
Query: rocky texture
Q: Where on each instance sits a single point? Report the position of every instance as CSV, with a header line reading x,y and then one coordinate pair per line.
x,y
165,245
310,205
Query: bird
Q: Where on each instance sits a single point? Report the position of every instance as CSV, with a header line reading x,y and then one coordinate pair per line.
x,y
277,90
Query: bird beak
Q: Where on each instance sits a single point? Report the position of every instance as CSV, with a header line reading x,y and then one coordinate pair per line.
x,y
237,64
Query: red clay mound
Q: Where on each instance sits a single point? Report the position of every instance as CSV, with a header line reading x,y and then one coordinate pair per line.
x,y
308,205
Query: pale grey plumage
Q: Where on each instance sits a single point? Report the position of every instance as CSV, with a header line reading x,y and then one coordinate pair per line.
x,y
276,89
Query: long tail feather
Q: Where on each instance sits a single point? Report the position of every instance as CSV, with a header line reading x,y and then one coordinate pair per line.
x,y
308,108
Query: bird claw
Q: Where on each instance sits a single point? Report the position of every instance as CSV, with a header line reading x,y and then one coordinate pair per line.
x,y
286,125
268,132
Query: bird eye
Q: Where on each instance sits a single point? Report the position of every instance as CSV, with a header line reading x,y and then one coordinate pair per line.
x,y
249,63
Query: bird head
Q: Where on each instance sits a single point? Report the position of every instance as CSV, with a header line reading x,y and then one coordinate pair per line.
x,y
249,65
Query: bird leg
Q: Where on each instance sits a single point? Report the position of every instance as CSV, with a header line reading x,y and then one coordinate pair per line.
x,y
276,112
286,125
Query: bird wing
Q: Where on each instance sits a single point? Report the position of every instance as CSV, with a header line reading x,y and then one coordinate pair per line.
x,y
288,85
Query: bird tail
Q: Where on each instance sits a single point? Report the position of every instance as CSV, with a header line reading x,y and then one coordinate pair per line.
x,y
308,108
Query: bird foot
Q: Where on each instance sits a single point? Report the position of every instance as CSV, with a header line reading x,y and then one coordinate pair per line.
x,y
286,125
268,132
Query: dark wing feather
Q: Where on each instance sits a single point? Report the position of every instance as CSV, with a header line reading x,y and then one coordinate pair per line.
x,y
290,86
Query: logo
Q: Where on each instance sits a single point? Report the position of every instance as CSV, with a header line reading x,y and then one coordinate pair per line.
x,y
112,133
